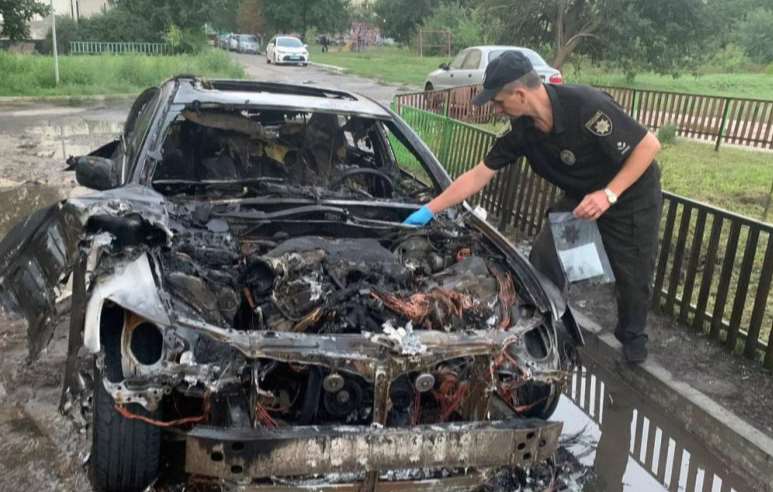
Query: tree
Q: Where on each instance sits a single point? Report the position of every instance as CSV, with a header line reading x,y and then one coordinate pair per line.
x,y
660,35
755,35
401,18
185,14
16,15
251,17
300,15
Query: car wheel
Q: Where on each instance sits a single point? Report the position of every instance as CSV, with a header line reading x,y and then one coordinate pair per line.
x,y
268,60
125,453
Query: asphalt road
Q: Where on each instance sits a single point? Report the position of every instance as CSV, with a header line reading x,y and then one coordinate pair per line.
x,y
257,68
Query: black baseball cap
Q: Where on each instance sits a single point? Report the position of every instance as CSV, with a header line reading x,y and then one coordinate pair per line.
x,y
507,67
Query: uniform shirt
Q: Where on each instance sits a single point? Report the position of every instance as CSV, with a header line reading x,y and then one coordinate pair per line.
x,y
592,136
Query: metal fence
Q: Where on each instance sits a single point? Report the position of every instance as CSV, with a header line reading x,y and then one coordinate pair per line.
x,y
731,120
98,48
701,279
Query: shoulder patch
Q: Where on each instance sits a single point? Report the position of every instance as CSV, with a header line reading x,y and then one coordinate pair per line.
x,y
600,124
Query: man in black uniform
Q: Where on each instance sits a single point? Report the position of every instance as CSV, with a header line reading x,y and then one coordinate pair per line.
x,y
580,140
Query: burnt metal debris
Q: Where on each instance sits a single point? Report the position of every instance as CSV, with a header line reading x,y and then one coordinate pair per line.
x,y
251,286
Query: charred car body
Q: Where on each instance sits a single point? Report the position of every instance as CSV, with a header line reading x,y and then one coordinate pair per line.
x,y
244,284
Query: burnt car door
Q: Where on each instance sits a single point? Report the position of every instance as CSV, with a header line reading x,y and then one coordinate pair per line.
x,y
38,253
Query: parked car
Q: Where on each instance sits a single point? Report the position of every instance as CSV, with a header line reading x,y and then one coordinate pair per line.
x,y
248,43
233,42
287,49
470,64
242,282
224,41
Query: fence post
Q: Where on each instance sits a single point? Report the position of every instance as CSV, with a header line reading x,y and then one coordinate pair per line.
x,y
448,102
722,124
633,103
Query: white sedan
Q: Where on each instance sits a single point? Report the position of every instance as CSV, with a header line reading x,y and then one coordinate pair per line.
x,y
287,49
470,64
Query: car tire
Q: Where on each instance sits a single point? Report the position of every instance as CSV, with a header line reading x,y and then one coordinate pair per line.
x,y
125,454
268,60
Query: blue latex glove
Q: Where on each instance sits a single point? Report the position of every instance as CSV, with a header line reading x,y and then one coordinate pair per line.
x,y
420,217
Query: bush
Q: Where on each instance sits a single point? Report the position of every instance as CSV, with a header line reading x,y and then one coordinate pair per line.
x,y
667,133
729,59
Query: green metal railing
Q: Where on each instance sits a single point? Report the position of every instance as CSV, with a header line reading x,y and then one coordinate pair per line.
x,y
715,268
99,47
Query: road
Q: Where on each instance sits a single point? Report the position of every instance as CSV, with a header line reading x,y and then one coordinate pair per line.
x,y
257,68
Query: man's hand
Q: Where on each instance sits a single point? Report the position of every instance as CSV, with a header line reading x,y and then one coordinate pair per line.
x,y
420,217
592,206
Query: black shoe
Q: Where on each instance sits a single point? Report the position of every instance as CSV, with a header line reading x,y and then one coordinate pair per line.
x,y
634,353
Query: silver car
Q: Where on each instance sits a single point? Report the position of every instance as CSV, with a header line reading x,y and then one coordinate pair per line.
x,y
470,64
247,43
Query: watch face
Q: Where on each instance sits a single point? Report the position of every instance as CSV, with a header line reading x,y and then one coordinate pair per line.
x,y
611,196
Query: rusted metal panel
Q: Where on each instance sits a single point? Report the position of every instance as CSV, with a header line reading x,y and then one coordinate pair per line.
x,y
238,453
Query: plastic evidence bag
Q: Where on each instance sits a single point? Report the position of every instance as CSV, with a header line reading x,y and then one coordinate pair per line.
x,y
580,249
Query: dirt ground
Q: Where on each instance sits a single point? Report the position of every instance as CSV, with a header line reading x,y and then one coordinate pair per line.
x,y
738,384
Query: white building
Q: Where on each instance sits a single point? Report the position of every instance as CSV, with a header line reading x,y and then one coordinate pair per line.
x,y
79,8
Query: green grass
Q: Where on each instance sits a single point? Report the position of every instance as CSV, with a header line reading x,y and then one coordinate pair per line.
x,y
735,179
744,85
403,66
33,75
391,65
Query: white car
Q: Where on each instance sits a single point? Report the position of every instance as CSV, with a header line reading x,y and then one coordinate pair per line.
x,y
233,42
287,49
470,64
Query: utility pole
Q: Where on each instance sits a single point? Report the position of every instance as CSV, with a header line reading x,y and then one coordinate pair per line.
x,y
53,38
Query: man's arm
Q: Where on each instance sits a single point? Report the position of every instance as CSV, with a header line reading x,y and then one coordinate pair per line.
x,y
596,203
464,186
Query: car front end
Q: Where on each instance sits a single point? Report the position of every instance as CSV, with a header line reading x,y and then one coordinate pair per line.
x,y
255,294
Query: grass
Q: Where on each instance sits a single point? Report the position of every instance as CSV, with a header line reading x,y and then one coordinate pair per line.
x,y
744,85
33,75
735,179
403,66
387,64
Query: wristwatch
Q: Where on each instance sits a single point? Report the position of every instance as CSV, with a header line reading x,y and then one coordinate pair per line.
x,y
611,197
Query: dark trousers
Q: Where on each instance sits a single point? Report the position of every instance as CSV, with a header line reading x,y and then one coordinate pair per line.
x,y
631,243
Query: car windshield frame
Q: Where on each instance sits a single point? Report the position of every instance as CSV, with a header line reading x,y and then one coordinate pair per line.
x,y
292,42
249,38
434,172
534,57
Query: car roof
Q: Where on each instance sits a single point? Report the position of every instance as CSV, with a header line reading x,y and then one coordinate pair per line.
x,y
276,96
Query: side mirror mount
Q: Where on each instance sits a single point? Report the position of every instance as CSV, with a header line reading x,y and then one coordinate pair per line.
x,y
97,173
444,66
306,46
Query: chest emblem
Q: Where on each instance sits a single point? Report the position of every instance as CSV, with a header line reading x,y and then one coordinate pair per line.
x,y
600,124
567,157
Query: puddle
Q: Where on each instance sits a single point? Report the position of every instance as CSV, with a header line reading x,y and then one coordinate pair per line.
x,y
632,445
60,141
20,201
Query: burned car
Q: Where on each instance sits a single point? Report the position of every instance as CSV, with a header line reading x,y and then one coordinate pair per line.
x,y
242,285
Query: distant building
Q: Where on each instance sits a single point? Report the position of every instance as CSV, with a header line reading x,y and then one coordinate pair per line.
x,y
80,8
77,9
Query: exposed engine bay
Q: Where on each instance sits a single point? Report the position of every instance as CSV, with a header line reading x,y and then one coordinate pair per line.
x,y
385,289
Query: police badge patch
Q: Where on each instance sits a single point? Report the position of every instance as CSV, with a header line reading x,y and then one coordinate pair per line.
x,y
600,124
567,157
